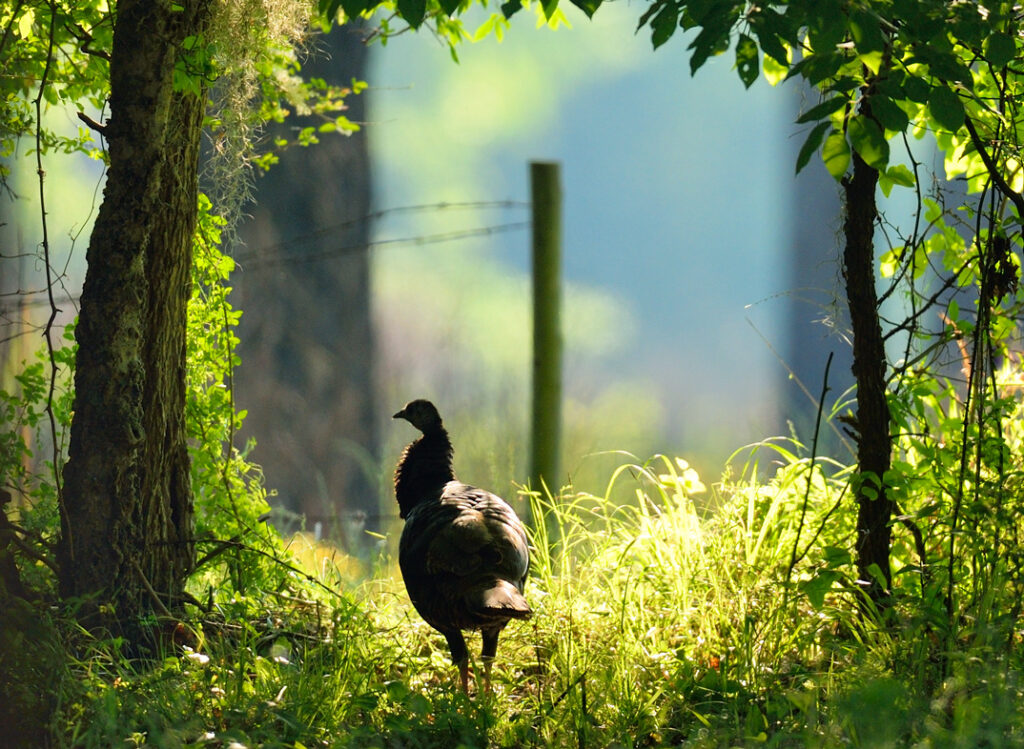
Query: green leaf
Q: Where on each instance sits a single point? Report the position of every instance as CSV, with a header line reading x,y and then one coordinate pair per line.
x,y
946,108
587,6
811,145
876,572
663,25
945,65
836,556
25,23
329,8
775,72
867,139
889,114
771,31
419,705
703,10
510,8
397,690
836,154
816,588
450,6
747,60
823,110
826,26
886,186
866,32
648,14
889,261
485,28
820,67
999,49
897,174
412,11
872,60
353,8
917,89
901,175
712,40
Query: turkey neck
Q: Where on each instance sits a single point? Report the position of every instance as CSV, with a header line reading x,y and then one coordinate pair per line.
x,y
423,470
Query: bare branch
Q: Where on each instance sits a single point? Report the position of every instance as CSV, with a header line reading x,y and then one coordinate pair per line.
x,y
92,124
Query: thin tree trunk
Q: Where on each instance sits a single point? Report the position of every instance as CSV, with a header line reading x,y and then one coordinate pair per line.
x,y
126,520
869,362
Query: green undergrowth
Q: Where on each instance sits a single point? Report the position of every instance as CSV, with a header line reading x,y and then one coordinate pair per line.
x,y
681,619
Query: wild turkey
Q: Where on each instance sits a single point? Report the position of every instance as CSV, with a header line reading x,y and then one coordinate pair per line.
x,y
463,553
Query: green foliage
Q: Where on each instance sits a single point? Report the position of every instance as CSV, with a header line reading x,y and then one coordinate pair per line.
x,y
238,548
63,43
883,68
32,662
27,454
886,71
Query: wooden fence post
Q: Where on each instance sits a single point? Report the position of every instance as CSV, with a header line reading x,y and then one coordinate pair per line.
x,y
546,418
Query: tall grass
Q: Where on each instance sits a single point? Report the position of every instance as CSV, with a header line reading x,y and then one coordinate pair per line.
x,y
682,617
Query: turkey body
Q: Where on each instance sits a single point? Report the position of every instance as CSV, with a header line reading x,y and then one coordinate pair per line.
x,y
464,553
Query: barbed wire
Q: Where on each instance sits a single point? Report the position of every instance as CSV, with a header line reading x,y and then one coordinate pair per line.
x,y
452,236
377,215
271,256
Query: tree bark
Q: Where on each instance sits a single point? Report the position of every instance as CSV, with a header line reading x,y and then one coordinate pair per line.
x,y
874,448
126,519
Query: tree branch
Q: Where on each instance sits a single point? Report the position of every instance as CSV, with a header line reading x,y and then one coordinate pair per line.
x,y
54,311
993,169
92,124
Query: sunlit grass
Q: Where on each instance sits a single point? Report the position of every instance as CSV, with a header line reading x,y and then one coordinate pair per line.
x,y
671,619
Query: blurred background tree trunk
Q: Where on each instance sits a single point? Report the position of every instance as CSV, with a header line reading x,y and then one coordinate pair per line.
x,y
306,339
816,318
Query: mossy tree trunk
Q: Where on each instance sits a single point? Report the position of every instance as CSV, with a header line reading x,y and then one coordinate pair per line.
x,y
126,515
874,448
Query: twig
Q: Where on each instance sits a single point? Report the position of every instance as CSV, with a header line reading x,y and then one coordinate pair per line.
x,y
276,560
149,589
87,39
92,124
824,521
216,552
800,384
566,691
919,547
11,532
49,278
810,480
993,169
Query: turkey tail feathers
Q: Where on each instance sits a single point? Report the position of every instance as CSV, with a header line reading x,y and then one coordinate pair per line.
x,y
501,598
